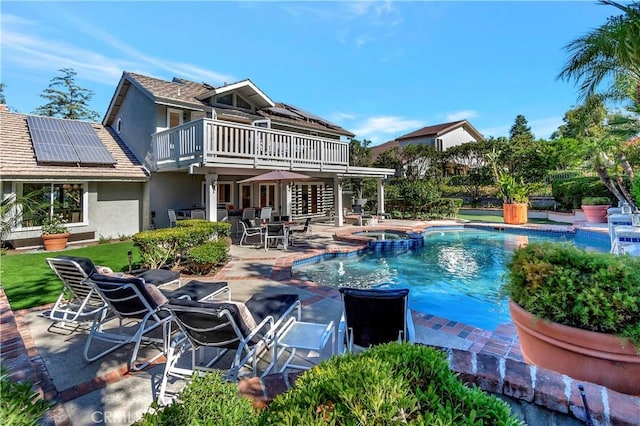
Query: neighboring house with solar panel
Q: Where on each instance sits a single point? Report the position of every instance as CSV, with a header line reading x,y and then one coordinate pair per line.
x,y
82,171
199,141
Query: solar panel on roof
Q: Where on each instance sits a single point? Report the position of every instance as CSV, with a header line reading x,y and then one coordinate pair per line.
x,y
284,112
67,142
88,145
312,116
50,141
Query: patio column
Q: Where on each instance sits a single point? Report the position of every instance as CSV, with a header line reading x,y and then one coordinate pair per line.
x,y
211,197
380,196
337,202
288,199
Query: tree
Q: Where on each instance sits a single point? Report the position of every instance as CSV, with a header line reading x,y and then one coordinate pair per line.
x,y
66,98
609,51
584,121
520,129
3,100
359,156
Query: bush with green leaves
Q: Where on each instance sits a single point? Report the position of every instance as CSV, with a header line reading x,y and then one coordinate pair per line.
x,y
589,290
169,246
396,383
596,201
203,259
20,405
570,192
443,208
206,400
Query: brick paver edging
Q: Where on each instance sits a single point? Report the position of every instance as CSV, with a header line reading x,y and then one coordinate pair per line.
x,y
538,394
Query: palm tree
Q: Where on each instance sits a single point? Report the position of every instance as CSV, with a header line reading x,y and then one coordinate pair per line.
x,y
611,50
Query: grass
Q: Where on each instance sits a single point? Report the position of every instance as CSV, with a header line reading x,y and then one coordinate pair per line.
x,y
28,281
498,219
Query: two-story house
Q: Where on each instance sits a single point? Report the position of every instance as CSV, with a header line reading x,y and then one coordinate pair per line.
x,y
184,144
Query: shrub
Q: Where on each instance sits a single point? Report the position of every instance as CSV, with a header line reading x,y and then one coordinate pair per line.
x,y
203,259
595,201
387,384
569,192
589,290
20,405
206,400
444,208
160,247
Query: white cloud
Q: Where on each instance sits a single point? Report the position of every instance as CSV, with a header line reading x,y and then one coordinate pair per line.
x,y
462,115
48,55
382,128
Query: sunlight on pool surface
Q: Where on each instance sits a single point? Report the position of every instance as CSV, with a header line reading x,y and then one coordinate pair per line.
x,y
457,275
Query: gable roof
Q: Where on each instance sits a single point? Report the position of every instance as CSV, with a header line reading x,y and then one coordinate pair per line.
x,y
18,159
189,94
440,129
378,149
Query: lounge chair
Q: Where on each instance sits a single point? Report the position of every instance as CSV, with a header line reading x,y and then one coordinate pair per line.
x,y
135,304
372,317
79,302
246,328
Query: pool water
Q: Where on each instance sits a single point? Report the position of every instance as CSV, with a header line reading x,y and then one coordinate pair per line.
x,y
457,275
383,235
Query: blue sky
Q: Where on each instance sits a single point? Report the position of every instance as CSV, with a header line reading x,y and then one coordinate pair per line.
x,y
379,69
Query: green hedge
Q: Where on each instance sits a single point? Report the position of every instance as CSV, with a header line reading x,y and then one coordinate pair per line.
x,y
444,208
203,259
397,383
570,192
169,246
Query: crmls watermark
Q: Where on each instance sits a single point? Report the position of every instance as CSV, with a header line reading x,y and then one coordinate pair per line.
x,y
114,418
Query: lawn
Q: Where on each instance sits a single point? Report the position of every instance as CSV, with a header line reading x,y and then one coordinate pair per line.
x,y
28,281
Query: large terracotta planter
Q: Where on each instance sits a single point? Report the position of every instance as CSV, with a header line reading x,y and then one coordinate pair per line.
x,y
595,214
55,241
600,358
515,214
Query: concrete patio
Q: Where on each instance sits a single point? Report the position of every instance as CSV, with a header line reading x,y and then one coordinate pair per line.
x,y
104,392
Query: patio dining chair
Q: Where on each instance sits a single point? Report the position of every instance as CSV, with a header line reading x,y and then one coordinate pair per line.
x,y
135,306
173,219
209,329
248,230
374,316
265,214
198,214
300,230
274,233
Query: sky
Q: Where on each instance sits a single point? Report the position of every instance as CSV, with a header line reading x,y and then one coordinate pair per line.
x,y
380,69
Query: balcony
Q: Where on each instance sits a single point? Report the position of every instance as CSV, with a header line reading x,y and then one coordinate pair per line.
x,y
216,143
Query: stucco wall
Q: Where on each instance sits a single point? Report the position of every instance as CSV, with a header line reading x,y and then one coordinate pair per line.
x,y
173,191
456,137
115,208
138,115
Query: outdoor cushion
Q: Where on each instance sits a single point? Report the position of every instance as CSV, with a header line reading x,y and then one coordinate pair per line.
x,y
159,276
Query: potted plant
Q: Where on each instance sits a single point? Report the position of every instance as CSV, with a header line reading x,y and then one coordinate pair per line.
x,y
515,199
54,232
578,312
595,209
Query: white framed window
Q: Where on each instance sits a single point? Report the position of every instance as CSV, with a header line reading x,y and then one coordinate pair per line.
x,y
224,191
68,199
268,195
174,118
119,125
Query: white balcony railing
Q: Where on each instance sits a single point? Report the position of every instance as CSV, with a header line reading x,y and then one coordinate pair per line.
x,y
215,142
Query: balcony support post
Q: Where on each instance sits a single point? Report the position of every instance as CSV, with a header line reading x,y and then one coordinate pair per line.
x,y
211,197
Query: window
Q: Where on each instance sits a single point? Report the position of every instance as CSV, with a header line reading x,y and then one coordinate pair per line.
x,y
225,99
267,195
439,145
46,199
224,193
174,117
119,125
241,103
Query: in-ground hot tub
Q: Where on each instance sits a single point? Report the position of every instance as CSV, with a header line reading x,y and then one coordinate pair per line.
x,y
391,239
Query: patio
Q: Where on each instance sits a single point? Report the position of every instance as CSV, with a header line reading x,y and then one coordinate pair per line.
x,y
104,392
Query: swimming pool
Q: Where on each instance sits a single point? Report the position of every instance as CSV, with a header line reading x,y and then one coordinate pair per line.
x,y
456,275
